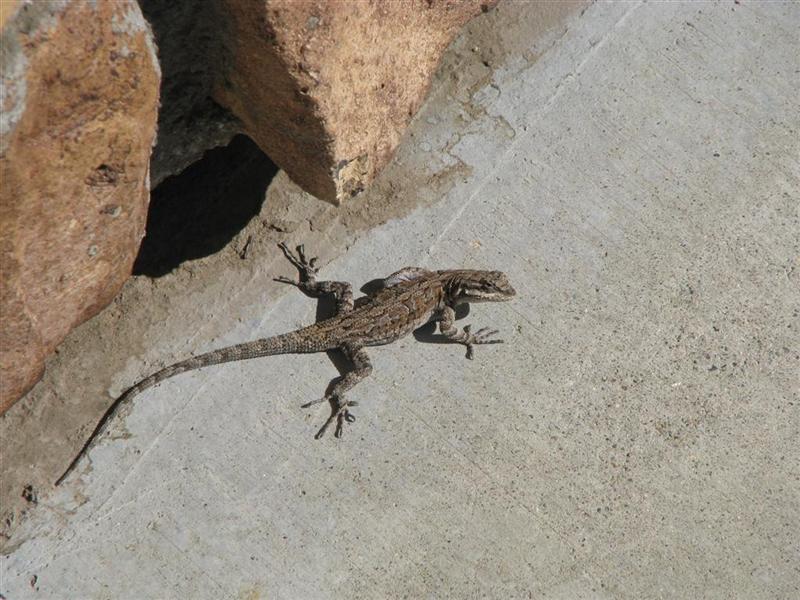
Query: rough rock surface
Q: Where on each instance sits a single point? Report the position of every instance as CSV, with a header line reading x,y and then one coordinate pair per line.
x,y
189,39
327,88
79,104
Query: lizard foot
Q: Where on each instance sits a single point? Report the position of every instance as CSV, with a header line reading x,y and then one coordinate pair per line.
x,y
482,336
340,413
307,267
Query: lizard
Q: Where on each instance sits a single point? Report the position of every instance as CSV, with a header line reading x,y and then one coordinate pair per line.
x,y
407,300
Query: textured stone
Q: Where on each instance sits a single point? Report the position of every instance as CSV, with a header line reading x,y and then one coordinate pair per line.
x,y
79,104
189,122
327,88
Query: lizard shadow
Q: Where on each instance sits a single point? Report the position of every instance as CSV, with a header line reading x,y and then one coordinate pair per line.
x,y
427,333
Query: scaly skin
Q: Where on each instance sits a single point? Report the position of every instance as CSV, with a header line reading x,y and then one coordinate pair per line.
x,y
409,299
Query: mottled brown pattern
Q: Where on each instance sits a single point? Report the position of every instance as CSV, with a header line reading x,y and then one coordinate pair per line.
x,y
80,83
327,88
409,299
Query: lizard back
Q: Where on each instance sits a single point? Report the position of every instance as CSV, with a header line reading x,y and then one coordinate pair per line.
x,y
388,315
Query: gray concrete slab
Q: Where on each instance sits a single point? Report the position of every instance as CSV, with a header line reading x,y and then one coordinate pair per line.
x,y
636,437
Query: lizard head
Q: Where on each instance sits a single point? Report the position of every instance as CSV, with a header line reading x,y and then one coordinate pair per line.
x,y
480,286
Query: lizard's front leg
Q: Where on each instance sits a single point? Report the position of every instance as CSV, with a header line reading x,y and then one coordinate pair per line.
x,y
448,329
362,367
340,290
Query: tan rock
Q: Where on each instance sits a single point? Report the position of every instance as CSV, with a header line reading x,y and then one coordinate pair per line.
x,y
326,88
79,103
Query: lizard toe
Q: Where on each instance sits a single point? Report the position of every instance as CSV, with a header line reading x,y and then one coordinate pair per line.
x,y
317,401
282,279
343,416
485,336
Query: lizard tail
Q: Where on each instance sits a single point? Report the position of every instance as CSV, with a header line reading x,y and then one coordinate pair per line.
x,y
293,342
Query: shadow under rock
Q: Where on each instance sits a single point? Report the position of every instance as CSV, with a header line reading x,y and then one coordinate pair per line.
x,y
197,212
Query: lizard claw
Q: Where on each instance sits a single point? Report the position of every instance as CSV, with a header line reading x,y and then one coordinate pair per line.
x,y
324,399
340,413
301,253
308,268
283,279
482,336
343,417
313,402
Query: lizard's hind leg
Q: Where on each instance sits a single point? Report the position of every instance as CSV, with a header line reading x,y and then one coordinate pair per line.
x,y
340,290
362,367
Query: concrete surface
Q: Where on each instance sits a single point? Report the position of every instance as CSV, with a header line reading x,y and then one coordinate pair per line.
x,y
636,437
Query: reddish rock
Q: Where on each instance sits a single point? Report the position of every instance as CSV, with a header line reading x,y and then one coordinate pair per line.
x,y
326,88
79,103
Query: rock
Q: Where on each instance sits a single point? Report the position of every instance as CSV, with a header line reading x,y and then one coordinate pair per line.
x,y
79,102
327,88
189,122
